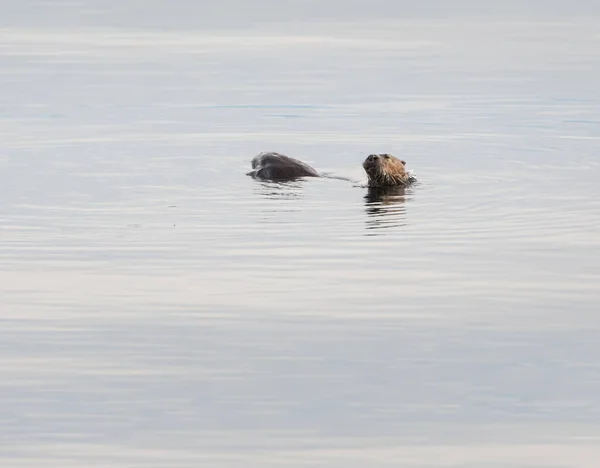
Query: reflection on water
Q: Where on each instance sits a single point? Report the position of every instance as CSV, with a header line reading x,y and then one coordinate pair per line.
x,y
256,324
385,207
273,190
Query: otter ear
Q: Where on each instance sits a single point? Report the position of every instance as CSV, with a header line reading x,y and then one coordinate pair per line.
x,y
403,162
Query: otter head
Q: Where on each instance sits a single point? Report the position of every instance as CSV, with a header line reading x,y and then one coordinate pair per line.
x,y
385,170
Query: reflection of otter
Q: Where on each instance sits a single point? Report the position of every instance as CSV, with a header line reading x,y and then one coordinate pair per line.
x,y
385,170
385,206
286,190
385,195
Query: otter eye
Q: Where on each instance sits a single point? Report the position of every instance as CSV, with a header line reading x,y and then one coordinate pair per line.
x,y
386,156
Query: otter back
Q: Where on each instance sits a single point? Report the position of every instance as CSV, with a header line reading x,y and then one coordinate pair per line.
x,y
276,166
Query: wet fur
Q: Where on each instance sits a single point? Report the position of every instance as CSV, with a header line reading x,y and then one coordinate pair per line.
x,y
385,170
276,166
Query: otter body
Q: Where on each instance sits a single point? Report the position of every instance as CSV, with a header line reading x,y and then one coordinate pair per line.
x,y
383,170
275,166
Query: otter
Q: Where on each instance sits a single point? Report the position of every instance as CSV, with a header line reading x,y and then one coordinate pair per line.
x,y
383,170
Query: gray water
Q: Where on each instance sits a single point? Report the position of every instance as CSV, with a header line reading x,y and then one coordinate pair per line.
x,y
161,309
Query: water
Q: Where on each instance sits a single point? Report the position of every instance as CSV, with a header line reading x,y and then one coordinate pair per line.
x,y
160,308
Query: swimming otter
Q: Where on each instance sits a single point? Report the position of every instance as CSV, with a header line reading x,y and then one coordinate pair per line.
x,y
385,170
275,166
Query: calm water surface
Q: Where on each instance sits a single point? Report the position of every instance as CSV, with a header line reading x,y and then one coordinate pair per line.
x,y
161,309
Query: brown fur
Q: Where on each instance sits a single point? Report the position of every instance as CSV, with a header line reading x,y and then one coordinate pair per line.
x,y
385,170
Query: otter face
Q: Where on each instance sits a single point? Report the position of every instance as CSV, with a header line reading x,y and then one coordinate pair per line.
x,y
384,170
